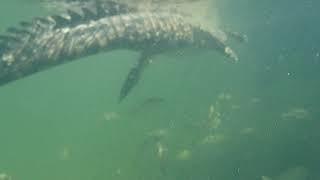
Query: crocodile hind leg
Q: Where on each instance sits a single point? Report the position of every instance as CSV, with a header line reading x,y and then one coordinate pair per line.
x,y
134,75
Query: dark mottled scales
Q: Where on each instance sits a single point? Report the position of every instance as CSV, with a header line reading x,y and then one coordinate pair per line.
x,y
57,39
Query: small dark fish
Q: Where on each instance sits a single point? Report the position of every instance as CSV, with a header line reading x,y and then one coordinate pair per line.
x,y
147,104
152,101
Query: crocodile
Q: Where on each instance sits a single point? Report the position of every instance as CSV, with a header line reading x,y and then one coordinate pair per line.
x,y
53,40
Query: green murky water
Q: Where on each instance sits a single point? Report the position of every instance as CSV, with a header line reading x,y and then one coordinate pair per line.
x,y
191,117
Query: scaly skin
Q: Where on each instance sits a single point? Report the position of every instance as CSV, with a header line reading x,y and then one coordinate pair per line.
x,y
48,44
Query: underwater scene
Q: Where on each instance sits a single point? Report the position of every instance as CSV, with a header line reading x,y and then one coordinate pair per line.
x,y
159,90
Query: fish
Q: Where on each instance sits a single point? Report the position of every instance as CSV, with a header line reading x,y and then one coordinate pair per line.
x,y
150,103
54,40
152,100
